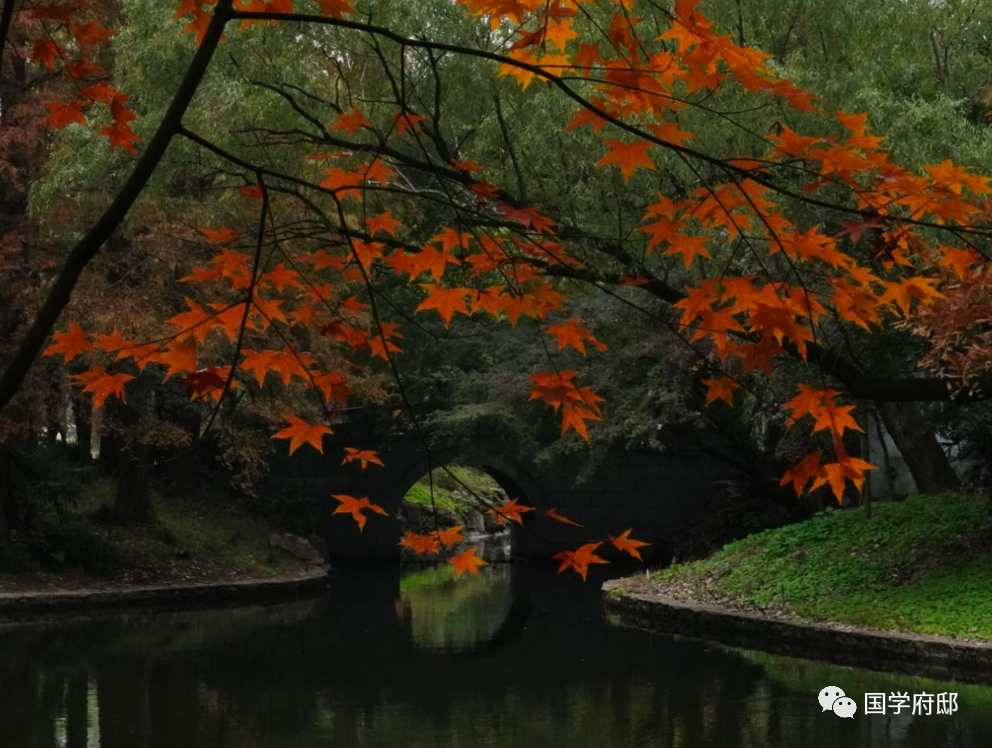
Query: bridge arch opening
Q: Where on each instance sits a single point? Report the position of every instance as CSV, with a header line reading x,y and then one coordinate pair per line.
x,y
499,476
475,612
405,463
463,496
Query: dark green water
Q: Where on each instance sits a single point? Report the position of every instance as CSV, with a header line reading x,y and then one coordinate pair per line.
x,y
514,658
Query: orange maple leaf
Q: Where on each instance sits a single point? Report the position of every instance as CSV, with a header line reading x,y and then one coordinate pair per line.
x,y
102,384
430,259
628,544
571,334
807,401
100,91
47,52
299,432
628,156
903,293
63,115
70,343
466,165
836,418
383,222
280,276
580,559
179,356
259,363
446,301
578,404
560,518
420,544
197,321
335,8
350,122
206,382
689,247
467,561
450,536
720,389
510,510
355,506
802,472
406,122
959,260
91,33
115,342
365,456
218,236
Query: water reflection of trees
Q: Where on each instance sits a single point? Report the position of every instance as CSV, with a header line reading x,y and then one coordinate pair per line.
x,y
450,614
348,672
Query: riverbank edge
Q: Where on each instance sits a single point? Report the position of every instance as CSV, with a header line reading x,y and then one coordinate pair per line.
x,y
20,606
912,654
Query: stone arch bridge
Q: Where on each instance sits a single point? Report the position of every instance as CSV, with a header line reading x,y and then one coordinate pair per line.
x,y
654,492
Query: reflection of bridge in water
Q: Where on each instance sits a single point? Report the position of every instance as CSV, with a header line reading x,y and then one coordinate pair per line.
x,y
479,614
654,492
353,669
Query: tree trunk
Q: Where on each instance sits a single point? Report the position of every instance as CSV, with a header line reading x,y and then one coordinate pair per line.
x,y
5,539
81,410
8,506
132,502
924,457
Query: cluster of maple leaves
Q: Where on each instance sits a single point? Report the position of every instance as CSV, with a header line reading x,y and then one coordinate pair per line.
x,y
633,83
578,559
65,39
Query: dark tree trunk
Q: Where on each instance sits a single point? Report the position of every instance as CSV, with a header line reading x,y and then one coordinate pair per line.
x,y
924,457
54,426
5,540
81,410
110,447
132,502
184,472
8,505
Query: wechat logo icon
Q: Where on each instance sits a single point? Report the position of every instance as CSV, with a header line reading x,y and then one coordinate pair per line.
x,y
835,700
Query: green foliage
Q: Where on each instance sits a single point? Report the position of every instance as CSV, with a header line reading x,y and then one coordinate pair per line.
x,y
420,494
50,481
449,493
797,674
430,577
919,565
450,613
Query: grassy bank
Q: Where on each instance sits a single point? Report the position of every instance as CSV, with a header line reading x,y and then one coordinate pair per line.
x,y
922,565
449,491
190,542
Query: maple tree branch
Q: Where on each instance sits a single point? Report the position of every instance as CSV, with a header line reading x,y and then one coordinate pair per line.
x,y
560,83
87,247
858,383
5,21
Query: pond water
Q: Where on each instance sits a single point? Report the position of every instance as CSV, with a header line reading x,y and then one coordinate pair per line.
x,y
513,657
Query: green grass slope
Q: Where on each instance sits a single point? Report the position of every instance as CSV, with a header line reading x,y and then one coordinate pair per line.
x,y
921,565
